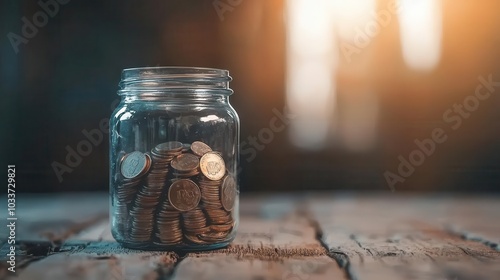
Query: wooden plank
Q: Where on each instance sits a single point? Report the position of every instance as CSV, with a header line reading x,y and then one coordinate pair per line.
x,y
55,217
391,238
474,218
100,260
397,237
277,245
273,241
221,266
45,221
100,231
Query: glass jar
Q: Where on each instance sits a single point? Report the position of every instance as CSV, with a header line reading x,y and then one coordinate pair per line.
x,y
174,152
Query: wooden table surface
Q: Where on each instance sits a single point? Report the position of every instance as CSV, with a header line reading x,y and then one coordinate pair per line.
x,y
300,237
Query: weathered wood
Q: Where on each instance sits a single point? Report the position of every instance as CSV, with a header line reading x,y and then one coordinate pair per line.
x,y
274,241
222,266
55,217
371,237
100,260
391,238
475,218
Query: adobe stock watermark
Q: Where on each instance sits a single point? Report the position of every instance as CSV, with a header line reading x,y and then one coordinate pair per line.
x,y
265,136
74,156
372,28
48,8
454,117
223,6
94,138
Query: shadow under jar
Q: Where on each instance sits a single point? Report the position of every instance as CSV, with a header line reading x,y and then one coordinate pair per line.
x,y
174,152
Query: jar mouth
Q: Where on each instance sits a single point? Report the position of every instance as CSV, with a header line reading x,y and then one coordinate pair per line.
x,y
167,79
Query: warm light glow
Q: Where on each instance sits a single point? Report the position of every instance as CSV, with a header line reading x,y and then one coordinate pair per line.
x,y
312,61
360,111
310,71
421,31
350,15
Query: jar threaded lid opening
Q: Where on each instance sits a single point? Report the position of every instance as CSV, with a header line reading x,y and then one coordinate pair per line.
x,y
168,79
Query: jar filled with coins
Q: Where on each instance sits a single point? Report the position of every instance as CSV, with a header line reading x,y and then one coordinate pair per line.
x,y
174,151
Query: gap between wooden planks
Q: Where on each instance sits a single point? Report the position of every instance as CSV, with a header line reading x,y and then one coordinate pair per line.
x,y
408,237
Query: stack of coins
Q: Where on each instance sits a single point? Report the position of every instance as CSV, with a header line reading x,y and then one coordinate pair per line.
x,y
220,219
185,165
168,225
162,155
179,193
194,223
148,198
133,167
142,216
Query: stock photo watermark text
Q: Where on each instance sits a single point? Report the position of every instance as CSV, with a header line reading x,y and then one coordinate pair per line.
x,y
11,217
40,19
454,117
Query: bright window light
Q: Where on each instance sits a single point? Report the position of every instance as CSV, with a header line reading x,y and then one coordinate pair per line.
x,y
421,31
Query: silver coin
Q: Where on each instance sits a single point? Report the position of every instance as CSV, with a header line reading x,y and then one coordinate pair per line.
x,y
134,164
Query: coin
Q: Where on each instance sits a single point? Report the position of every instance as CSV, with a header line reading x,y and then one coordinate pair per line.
x,y
212,166
200,148
195,222
228,193
185,163
210,196
134,164
213,236
169,147
222,227
219,216
194,239
165,207
168,225
184,195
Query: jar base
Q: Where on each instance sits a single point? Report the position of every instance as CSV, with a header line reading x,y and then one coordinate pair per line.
x,y
180,248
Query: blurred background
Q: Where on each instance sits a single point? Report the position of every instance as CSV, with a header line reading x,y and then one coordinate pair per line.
x,y
332,94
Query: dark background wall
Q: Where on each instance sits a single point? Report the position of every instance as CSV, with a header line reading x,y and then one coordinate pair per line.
x,y
64,80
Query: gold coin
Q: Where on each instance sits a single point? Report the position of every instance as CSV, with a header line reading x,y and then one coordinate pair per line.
x,y
212,166
184,195
228,193
200,148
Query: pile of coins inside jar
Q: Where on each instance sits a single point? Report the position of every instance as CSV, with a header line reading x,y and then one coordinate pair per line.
x,y
176,193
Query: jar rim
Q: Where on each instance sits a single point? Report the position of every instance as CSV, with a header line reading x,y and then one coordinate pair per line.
x,y
179,78
173,70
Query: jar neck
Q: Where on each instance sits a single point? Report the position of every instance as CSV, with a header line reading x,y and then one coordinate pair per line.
x,y
178,98
175,83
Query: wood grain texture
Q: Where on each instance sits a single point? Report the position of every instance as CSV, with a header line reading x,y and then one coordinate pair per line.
x,y
274,241
222,266
394,238
55,217
100,260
